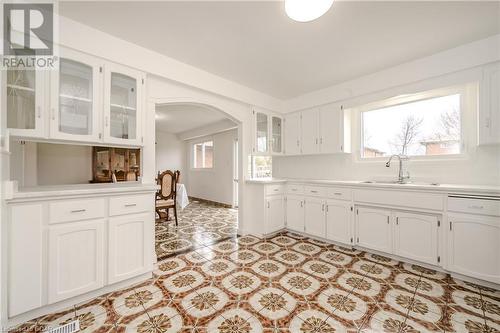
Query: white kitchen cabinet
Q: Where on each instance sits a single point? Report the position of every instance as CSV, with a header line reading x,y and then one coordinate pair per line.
x,y
26,95
261,124
489,105
295,213
314,212
276,131
75,259
292,134
76,105
373,228
474,246
275,213
333,136
338,221
131,239
25,271
123,104
310,131
416,237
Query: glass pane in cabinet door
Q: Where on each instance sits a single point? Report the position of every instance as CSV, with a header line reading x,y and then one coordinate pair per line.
x,y
261,132
21,102
123,113
75,97
276,133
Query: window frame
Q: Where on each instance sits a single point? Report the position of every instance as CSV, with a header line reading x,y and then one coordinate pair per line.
x,y
468,114
193,154
252,165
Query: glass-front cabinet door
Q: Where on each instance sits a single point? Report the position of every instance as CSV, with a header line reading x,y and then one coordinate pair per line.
x,y
276,135
75,106
123,109
25,102
261,132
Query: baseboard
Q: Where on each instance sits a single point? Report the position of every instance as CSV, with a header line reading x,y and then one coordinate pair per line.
x,y
210,202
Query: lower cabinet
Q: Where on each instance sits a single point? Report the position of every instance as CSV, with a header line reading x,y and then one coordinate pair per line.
x,y
131,240
373,227
295,213
416,237
474,246
338,221
75,259
275,213
314,212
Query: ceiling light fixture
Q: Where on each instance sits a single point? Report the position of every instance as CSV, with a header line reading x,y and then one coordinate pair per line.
x,y
306,10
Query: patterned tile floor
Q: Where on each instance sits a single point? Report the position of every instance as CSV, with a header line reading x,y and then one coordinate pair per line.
x,y
288,283
200,224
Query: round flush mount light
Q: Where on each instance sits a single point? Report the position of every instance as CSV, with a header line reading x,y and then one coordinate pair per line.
x,y
306,10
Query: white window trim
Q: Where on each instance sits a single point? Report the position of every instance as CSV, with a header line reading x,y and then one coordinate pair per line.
x,y
468,121
193,156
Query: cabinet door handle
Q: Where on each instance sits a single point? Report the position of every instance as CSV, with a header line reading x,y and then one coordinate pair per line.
x,y
323,207
106,121
53,112
397,220
268,204
131,205
388,219
39,112
78,210
297,143
301,204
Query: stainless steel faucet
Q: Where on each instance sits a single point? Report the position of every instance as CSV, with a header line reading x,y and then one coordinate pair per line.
x,y
403,174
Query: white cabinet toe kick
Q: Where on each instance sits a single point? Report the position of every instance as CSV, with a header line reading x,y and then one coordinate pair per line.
x,y
79,248
454,233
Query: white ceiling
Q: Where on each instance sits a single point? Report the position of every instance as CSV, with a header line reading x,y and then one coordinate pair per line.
x,y
181,118
255,44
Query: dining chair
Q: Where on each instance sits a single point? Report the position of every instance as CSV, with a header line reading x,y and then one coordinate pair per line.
x,y
167,195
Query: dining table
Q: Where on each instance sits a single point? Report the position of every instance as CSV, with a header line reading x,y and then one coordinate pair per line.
x,y
182,197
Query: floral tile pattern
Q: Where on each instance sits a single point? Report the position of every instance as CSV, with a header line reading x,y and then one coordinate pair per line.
x,y
286,284
200,224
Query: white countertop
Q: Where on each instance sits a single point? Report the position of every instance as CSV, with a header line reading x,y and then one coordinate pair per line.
x,y
449,188
79,189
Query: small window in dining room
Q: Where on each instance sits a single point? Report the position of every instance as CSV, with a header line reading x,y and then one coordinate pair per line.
x,y
203,155
428,126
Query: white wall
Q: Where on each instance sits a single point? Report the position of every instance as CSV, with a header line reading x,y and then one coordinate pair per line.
x,y
63,164
215,184
170,152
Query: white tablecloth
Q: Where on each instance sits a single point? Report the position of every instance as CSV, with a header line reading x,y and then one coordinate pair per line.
x,y
182,197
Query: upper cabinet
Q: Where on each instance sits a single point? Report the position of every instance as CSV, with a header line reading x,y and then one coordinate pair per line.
x,y
122,105
324,130
268,134
25,95
489,106
85,99
276,135
75,98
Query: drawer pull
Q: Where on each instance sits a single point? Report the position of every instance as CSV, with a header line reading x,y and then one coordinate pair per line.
x,y
314,191
78,210
276,190
294,189
131,205
337,193
476,207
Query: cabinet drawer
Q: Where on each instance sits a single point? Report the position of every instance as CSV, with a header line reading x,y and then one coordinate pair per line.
x,y
274,189
339,193
294,189
130,204
315,191
474,206
75,210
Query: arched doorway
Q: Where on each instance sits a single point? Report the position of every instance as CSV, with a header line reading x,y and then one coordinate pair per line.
x,y
182,117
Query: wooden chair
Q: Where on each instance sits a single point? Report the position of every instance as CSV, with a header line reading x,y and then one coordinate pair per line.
x,y
177,176
167,195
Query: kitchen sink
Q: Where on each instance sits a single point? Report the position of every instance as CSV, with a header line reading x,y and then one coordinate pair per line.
x,y
395,182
